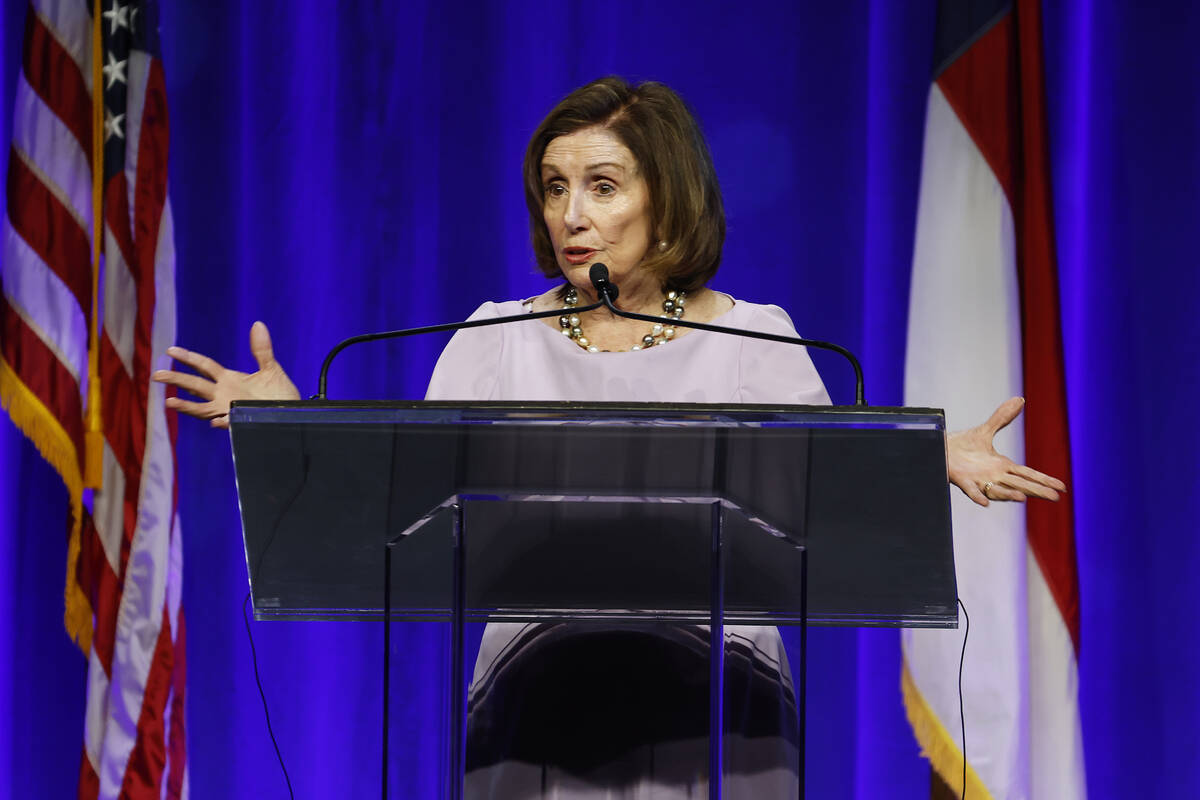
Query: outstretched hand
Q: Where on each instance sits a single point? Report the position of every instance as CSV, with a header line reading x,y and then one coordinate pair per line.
x,y
984,475
218,387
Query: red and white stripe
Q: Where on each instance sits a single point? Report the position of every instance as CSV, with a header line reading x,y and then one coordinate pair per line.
x,y
983,327
130,561
45,271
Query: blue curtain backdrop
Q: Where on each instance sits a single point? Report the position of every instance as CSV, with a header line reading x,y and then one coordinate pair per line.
x,y
351,167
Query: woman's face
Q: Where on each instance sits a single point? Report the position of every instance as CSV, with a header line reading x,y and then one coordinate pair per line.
x,y
597,206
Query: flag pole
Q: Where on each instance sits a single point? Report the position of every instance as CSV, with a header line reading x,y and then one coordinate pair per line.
x,y
78,613
93,468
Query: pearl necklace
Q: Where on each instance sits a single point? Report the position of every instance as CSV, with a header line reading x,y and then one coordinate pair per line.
x,y
661,333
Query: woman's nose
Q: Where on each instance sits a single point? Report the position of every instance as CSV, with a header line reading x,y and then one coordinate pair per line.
x,y
575,214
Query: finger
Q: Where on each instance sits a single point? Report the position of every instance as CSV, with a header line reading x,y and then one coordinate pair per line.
x,y
260,345
998,491
1029,488
1040,477
971,490
201,410
220,422
1005,413
201,363
189,383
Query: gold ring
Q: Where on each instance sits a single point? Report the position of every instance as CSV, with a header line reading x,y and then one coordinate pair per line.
x,y
985,488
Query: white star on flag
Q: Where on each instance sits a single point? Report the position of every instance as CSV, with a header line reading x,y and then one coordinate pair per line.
x,y
112,125
118,17
114,71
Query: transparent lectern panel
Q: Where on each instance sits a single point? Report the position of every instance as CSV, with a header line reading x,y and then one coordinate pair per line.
x,y
574,558
324,487
534,557
870,504
763,574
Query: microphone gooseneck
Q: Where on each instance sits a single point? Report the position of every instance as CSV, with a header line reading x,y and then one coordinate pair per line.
x,y
606,290
449,326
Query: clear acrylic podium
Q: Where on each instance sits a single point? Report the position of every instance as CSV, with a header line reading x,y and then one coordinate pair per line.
x,y
696,514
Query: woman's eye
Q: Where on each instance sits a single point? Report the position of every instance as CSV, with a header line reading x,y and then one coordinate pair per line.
x,y
556,190
605,188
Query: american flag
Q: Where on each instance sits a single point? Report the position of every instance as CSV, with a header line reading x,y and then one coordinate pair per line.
x,y
81,330
984,325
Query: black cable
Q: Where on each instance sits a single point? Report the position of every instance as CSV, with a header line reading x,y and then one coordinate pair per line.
x,y
258,563
962,717
263,695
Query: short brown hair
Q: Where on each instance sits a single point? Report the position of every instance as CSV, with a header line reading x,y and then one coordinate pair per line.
x,y
658,128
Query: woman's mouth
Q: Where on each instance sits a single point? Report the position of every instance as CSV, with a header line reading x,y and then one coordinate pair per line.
x,y
577,255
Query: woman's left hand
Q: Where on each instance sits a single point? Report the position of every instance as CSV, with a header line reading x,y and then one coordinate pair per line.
x,y
984,475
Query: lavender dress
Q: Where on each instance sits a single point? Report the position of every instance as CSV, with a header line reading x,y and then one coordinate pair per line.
x,y
563,711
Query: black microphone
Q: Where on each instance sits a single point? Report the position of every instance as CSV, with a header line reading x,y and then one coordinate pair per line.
x,y
606,290
448,326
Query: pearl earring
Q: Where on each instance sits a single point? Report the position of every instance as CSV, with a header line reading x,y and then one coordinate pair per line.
x,y
662,245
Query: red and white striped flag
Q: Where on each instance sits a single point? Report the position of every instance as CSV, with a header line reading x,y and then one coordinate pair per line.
x,y
983,327
90,141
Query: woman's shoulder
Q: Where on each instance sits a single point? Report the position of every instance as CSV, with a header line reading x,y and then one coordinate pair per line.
x,y
773,372
499,308
468,368
765,317
548,300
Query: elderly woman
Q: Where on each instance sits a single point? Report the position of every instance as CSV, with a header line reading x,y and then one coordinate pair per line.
x,y
621,175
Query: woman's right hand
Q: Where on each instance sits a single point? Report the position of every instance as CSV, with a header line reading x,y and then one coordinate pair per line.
x,y
219,387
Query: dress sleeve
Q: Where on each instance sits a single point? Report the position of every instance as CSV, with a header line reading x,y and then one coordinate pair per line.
x,y
469,367
774,372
